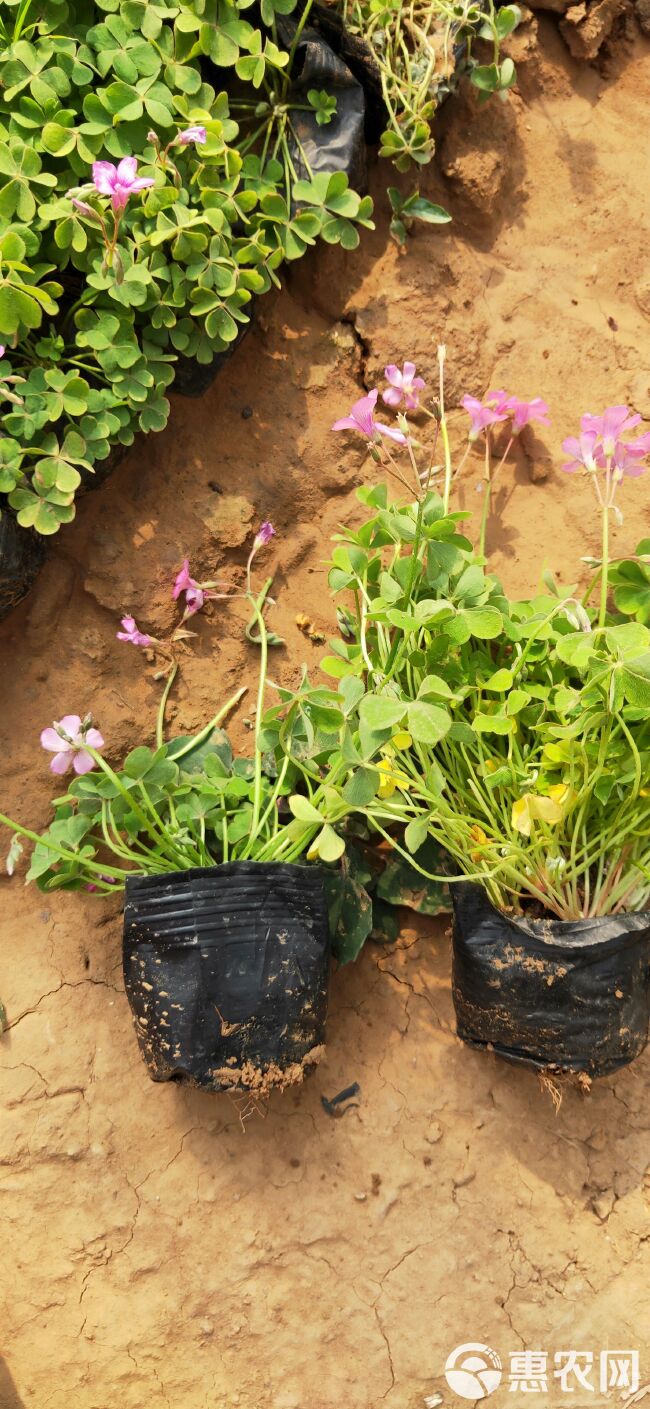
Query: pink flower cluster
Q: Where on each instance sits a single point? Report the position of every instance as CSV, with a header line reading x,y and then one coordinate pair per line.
x,y
196,593
403,386
498,406
604,445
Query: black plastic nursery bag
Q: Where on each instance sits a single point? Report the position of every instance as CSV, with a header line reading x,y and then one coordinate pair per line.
x,y
226,970
562,995
22,554
338,145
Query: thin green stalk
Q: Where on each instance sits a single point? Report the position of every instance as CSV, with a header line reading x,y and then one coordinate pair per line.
x,y
294,44
58,850
259,711
271,806
160,720
198,739
604,566
487,487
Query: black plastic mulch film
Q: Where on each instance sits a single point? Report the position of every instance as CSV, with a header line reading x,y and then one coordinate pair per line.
x,y
225,966
564,995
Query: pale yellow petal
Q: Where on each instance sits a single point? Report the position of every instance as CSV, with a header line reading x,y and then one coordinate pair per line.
x,y
521,817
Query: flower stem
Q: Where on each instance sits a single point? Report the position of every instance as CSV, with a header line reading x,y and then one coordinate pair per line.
x,y
443,430
604,566
487,486
160,721
257,793
63,852
198,739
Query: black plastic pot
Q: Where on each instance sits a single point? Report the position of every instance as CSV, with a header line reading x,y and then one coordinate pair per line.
x,y
558,995
22,554
226,970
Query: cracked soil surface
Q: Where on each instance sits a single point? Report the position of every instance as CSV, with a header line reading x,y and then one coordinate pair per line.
x,y
153,1254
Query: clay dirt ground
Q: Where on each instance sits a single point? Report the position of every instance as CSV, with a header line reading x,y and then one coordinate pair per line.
x,y
153,1254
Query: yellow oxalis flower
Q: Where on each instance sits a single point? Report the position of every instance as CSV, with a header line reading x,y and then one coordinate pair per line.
x,y
561,793
402,739
390,778
534,808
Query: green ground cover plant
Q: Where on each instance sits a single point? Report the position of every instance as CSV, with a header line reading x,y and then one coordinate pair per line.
x,y
419,48
516,732
149,192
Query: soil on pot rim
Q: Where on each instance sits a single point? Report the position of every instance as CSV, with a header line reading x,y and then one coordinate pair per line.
x,y
160,1256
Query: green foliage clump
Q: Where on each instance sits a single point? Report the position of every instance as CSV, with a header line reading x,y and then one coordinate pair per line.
x,y
94,318
419,48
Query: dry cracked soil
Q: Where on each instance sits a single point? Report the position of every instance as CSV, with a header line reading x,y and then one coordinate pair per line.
x,y
154,1254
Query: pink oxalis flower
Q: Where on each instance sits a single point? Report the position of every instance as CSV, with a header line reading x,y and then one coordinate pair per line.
x,y
193,133
498,406
523,412
610,426
109,880
485,413
264,534
404,386
195,595
67,739
119,182
600,445
131,633
583,452
361,418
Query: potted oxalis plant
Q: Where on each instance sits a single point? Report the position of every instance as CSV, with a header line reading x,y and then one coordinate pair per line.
x,y
516,733
226,939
